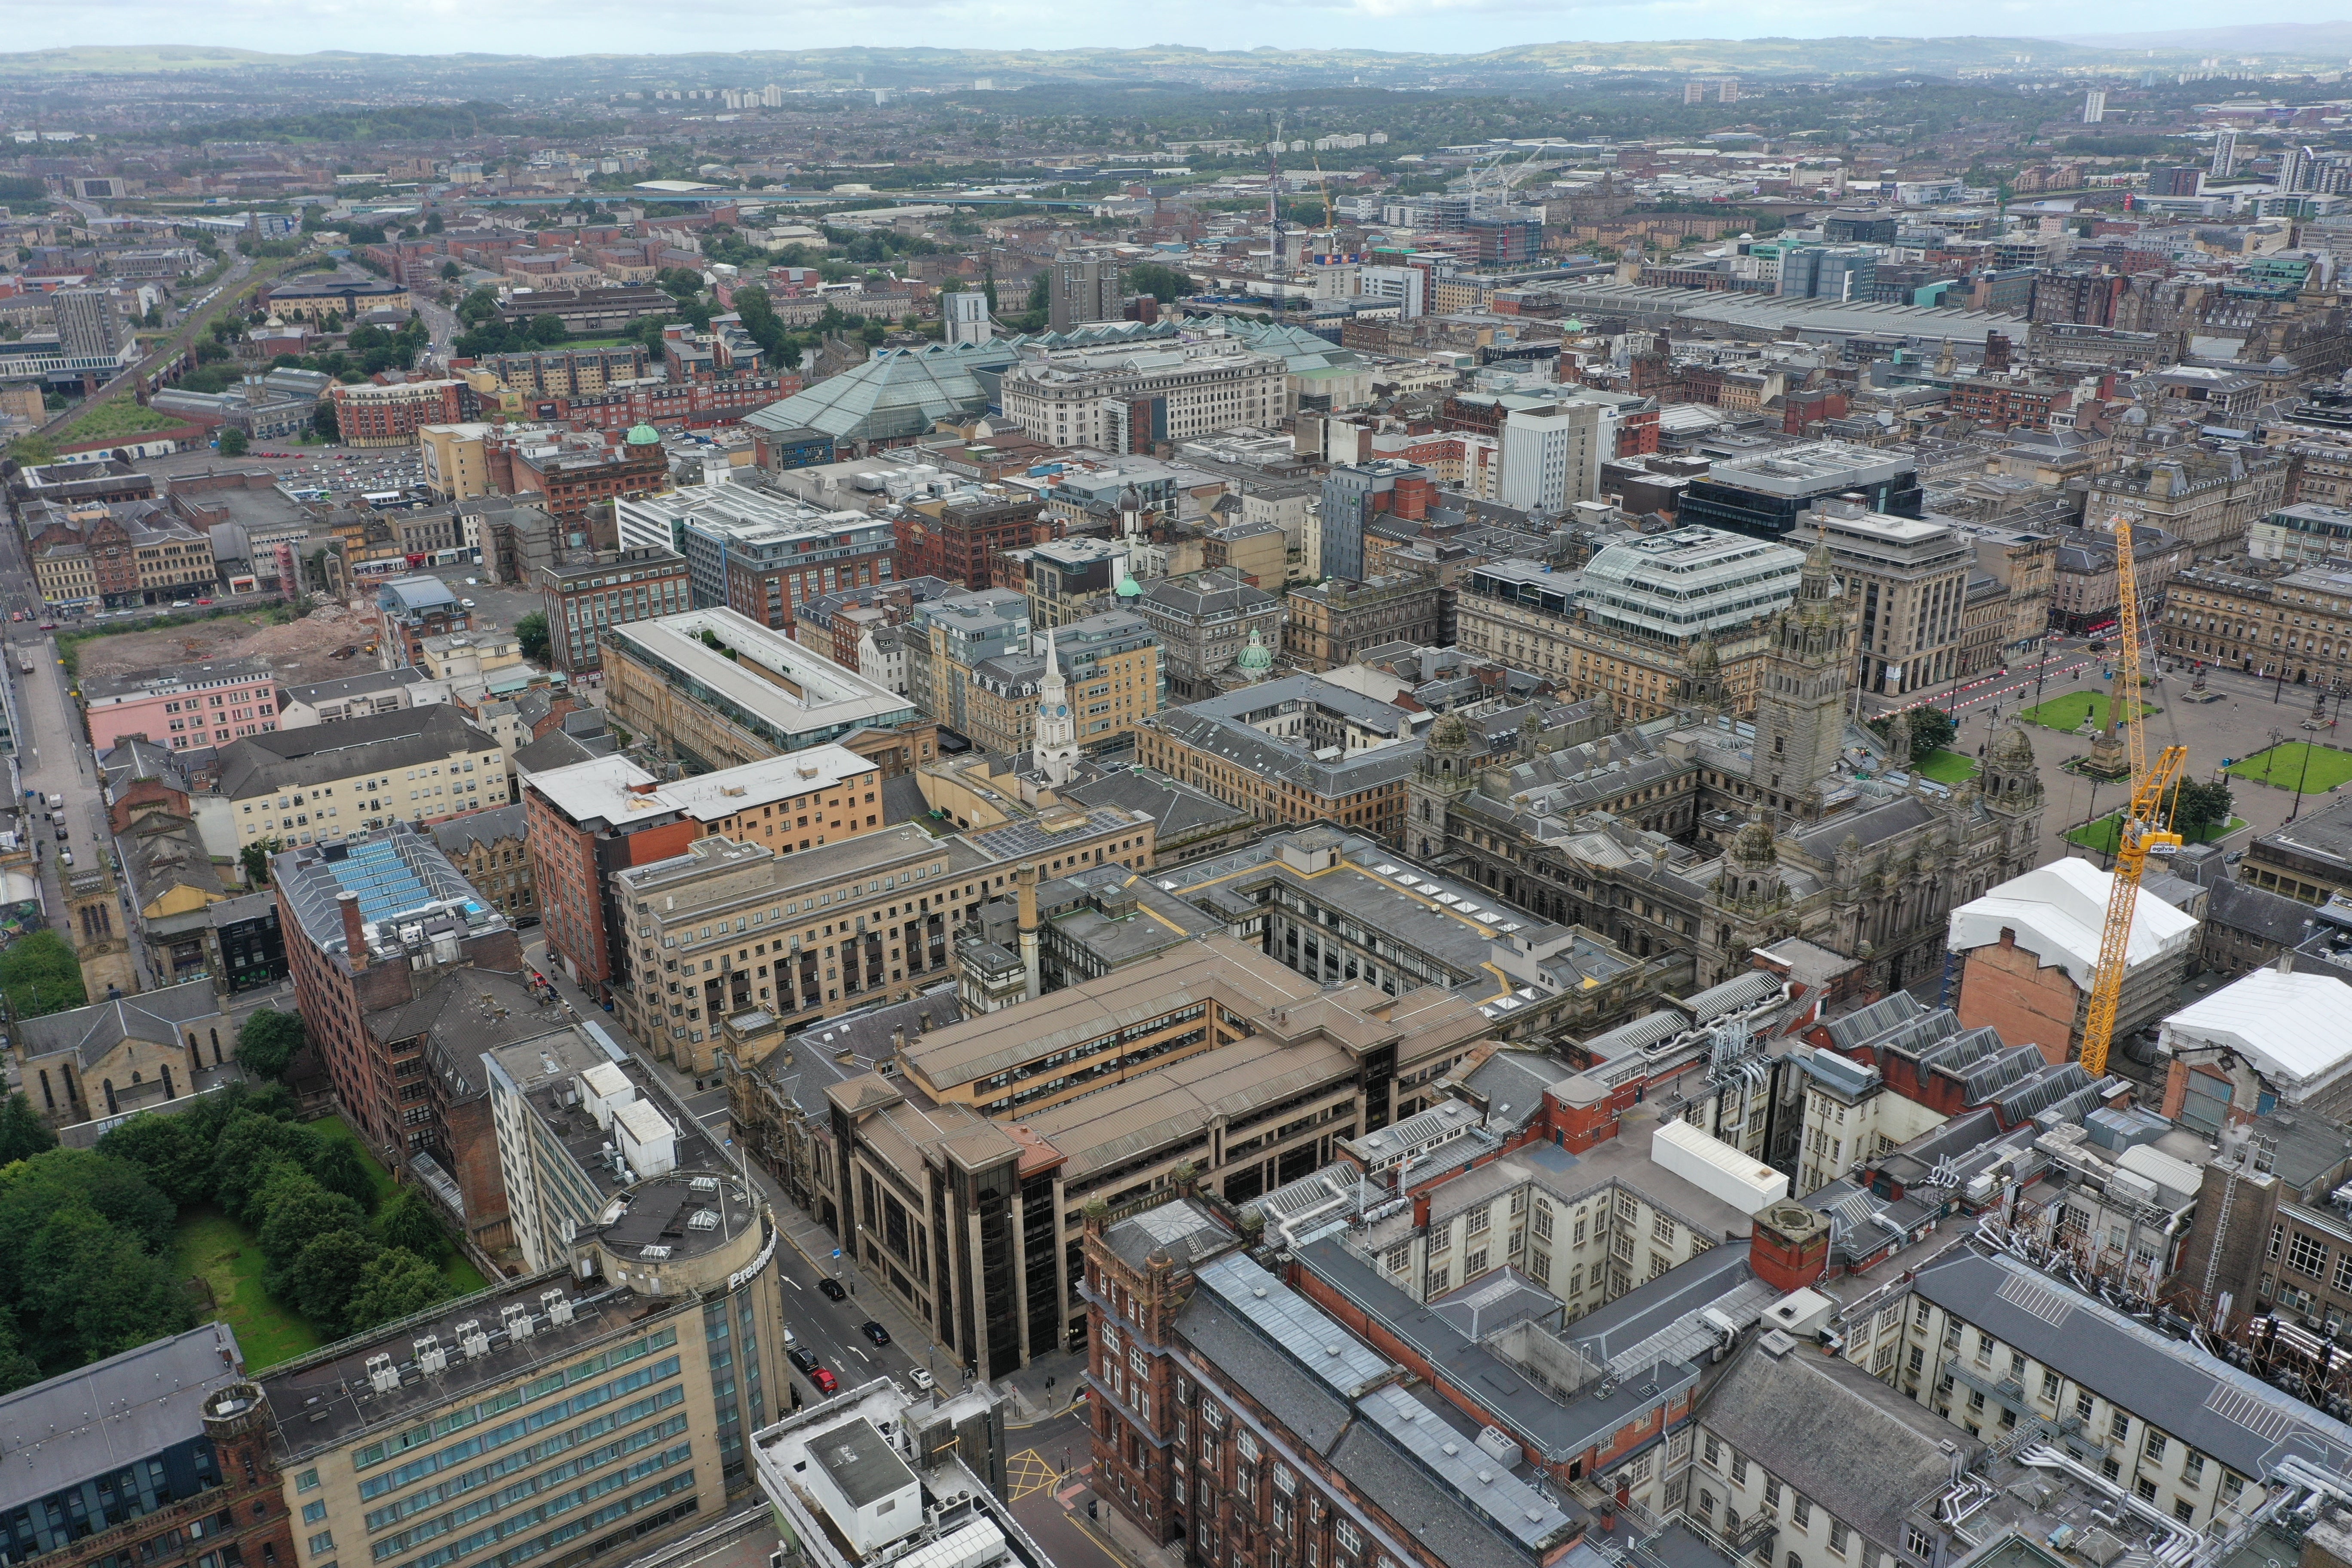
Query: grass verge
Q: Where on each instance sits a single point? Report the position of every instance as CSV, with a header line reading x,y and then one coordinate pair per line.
x,y
2068,713
2293,764
2103,835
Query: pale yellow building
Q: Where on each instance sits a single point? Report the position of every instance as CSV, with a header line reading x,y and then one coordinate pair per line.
x,y
455,464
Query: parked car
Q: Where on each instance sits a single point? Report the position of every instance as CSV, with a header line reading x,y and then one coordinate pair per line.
x,y
874,1333
831,1290
802,1358
65,857
824,1381
921,1378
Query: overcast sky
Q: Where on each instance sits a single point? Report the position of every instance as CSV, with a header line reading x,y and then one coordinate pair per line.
x,y
564,26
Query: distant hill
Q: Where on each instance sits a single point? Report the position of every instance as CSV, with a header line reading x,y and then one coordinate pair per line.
x,y
1525,64
2318,39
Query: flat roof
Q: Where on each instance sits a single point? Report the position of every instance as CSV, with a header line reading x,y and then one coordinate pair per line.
x,y
814,694
977,1047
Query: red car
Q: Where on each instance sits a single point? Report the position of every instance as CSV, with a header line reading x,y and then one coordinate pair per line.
x,y
826,1383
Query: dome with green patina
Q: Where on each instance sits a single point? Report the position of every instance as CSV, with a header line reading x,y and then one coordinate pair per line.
x,y
644,436
1129,588
1256,659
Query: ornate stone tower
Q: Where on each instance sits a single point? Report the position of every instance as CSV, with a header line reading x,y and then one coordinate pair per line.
x,y
94,924
2011,786
1055,751
1702,683
1447,771
1800,706
1748,904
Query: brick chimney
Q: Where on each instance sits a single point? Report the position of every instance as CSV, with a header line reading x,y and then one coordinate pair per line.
x,y
354,934
1790,1247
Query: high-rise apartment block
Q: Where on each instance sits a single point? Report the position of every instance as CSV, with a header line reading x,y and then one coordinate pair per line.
x,y
1083,285
965,315
90,324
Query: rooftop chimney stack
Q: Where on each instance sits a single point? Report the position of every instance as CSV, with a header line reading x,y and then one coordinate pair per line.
x,y
1025,879
354,932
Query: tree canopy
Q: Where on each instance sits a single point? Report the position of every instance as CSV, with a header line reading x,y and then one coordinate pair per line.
x,y
40,974
267,1040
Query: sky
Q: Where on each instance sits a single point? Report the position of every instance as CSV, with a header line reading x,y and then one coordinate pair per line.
x,y
565,27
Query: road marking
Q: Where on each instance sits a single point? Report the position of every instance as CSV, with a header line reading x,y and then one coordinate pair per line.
x,y
788,1279
869,1360
1028,1473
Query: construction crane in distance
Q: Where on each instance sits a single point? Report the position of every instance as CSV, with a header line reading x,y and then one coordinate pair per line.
x,y
2144,827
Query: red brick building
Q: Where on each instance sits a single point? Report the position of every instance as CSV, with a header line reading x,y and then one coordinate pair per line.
x,y
962,543
369,415
572,480
374,993
581,829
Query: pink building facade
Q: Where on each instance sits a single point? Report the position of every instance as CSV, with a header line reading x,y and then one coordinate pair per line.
x,y
199,706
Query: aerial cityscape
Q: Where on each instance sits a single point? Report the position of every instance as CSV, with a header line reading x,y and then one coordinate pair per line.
x,y
925,789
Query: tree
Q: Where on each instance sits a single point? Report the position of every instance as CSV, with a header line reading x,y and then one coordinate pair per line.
x,y
1164,284
246,1155
2193,804
548,329
233,442
298,1209
530,633
323,1275
339,1168
253,859
395,1284
448,272
23,1135
479,306
408,1223
39,974
174,1151
267,1041
94,1291
324,419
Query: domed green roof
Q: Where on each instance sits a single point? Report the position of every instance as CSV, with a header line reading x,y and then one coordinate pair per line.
x,y
1129,588
644,436
1257,656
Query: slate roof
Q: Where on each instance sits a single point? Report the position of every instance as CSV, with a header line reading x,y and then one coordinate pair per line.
x,y
161,852
1836,1434
320,753
156,1017
560,749
499,825
1177,809
2202,1401
102,1418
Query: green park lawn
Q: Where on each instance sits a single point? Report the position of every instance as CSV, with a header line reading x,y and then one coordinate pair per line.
x,y
227,1256
2286,766
1948,767
222,1252
2068,713
2103,833
114,416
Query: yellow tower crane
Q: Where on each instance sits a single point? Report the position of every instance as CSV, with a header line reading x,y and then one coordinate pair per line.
x,y
2146,824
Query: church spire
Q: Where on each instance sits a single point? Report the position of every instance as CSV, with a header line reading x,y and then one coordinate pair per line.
x,y
1054,750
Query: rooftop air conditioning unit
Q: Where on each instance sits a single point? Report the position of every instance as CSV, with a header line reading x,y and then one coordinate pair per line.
x,y
472,1337
430,1356
559,1307
383,1376
519,1323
